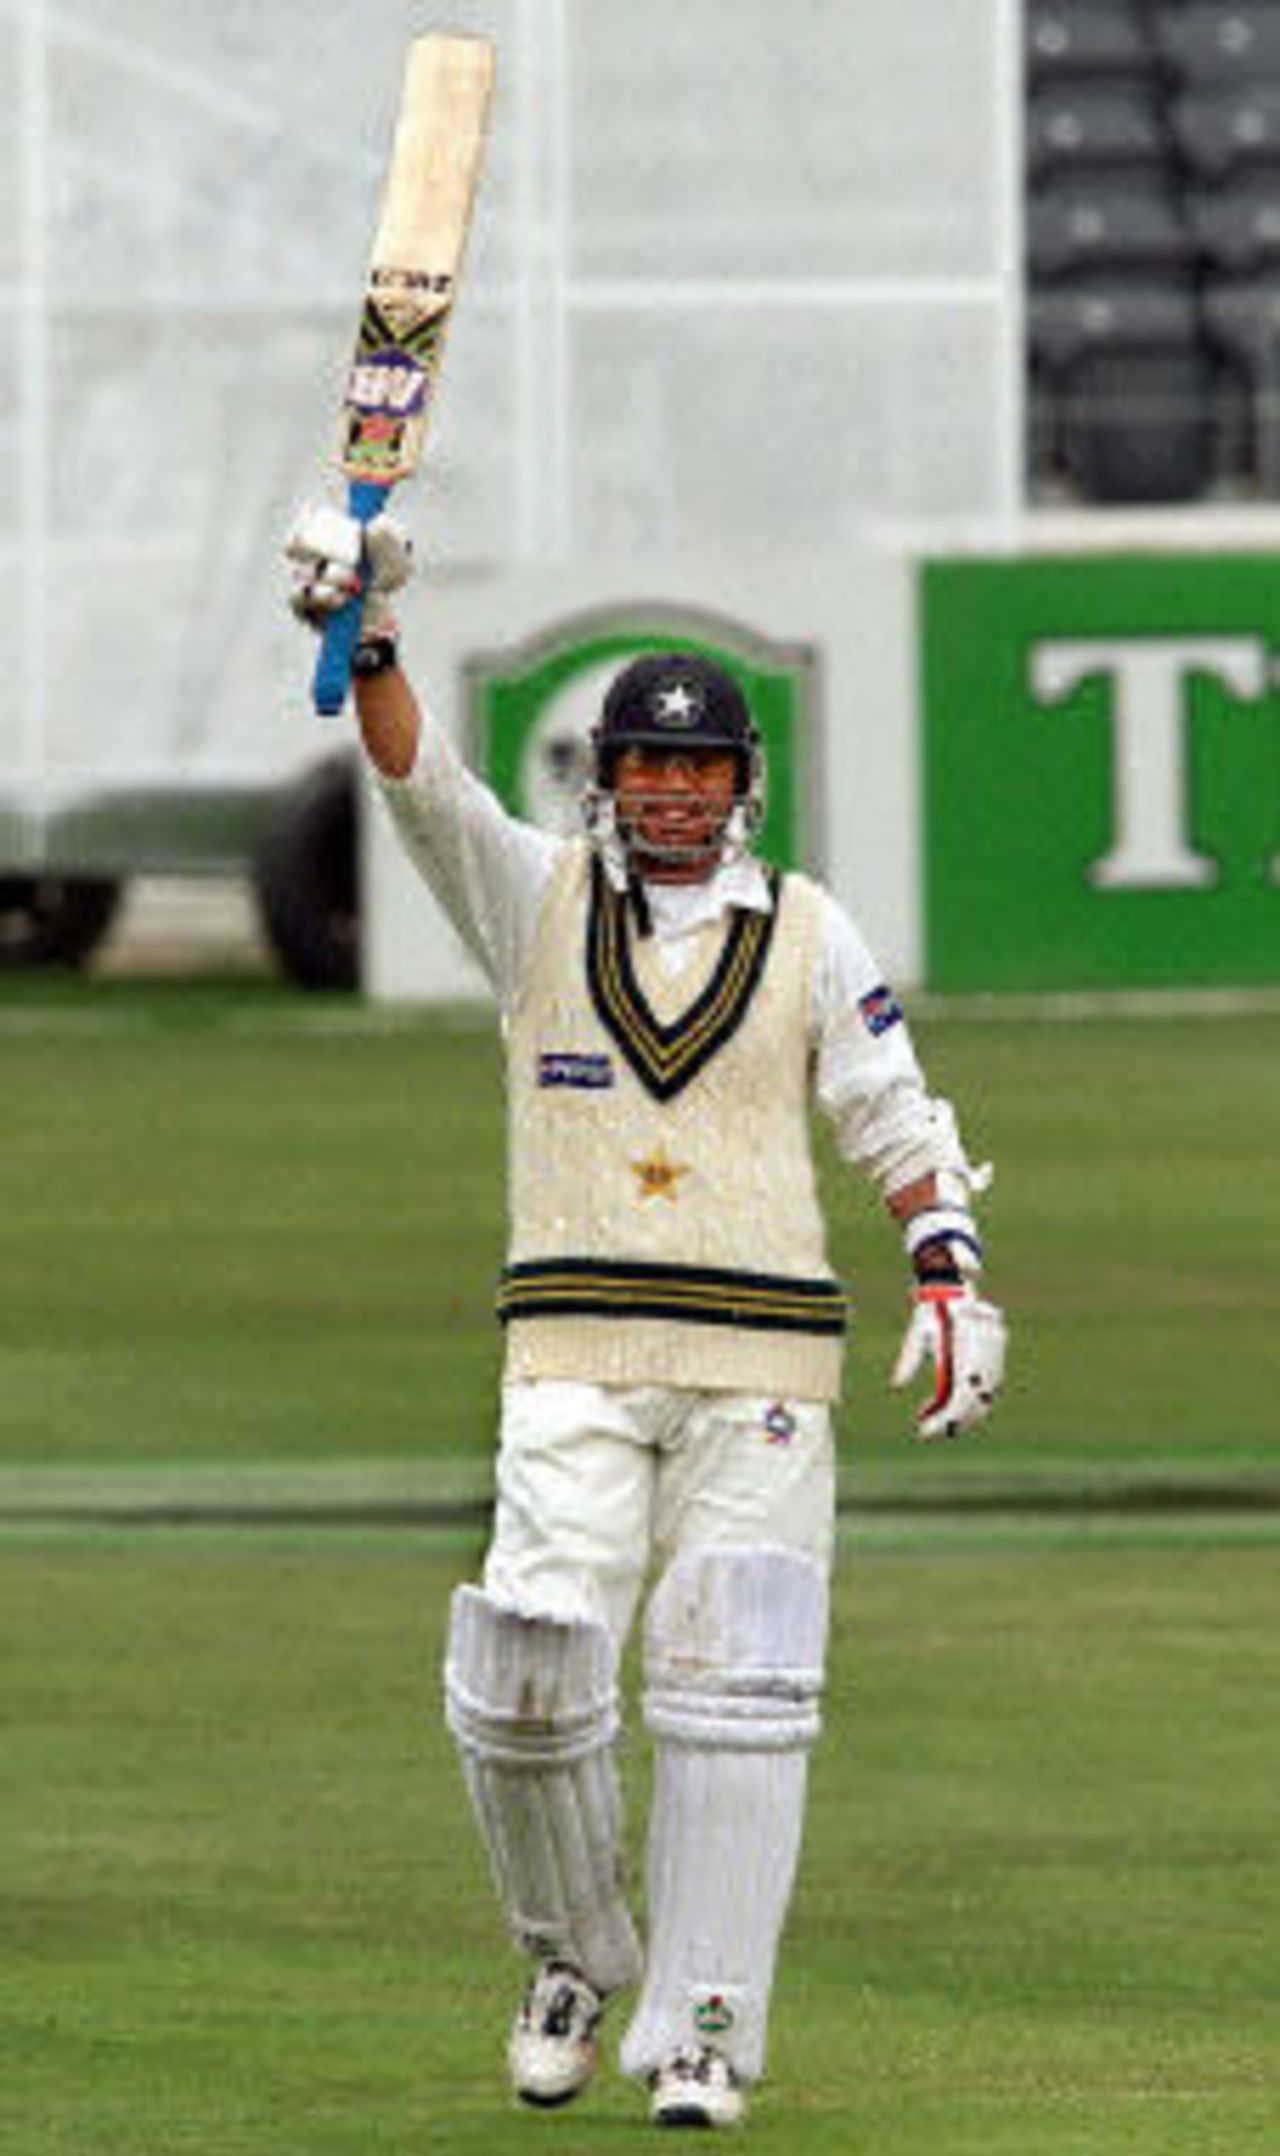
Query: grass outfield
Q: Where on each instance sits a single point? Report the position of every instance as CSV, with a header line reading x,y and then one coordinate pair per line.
x,y
246,1227
243,1915
246,1264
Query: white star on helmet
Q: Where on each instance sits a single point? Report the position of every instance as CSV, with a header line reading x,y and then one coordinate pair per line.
x,y
678,706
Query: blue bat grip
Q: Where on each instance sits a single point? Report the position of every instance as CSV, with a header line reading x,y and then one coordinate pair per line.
x,y
365,498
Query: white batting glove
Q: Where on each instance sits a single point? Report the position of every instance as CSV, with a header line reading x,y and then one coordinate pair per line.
x,y
332,557
964,1340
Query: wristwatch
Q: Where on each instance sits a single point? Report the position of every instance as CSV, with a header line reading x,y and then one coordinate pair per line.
x,y
377,655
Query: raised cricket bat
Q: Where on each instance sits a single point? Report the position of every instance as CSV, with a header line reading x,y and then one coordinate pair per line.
x,y
413,273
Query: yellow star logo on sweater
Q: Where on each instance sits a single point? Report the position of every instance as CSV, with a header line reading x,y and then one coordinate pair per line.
x,y
657,1176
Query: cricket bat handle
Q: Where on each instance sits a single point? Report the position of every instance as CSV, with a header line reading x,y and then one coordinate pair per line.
x,y
365,497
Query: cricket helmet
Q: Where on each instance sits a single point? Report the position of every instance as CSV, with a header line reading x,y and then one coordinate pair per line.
x,y
676,700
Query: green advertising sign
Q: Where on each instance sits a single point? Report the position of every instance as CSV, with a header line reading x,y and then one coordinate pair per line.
x,y
1102,770
532,709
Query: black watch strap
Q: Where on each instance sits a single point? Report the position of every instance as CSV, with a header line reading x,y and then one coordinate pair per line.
x,y
375,655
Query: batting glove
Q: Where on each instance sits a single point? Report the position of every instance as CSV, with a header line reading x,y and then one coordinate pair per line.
x,y
964,1339
332,556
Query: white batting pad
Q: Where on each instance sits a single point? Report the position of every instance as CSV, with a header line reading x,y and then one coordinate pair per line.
x,y
532,1703
734,1646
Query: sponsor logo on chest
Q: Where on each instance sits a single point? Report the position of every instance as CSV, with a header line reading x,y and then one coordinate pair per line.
x,y
582,1070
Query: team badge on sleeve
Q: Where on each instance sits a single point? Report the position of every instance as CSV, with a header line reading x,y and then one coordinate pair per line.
x,y
880,1009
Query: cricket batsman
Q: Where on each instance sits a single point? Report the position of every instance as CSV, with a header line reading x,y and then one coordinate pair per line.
x,y
673,1009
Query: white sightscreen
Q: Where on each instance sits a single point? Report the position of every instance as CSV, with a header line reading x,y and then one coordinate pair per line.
x,y
751,142
738,266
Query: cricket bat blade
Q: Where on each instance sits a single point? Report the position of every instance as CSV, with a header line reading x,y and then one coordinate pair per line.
x,y
418,247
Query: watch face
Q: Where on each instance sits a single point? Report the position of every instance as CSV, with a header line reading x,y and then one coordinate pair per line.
x,y
376,657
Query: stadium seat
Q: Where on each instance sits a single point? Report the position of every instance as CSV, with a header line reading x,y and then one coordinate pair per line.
x,y
1107,126
1042,425
1220,132
1243,316
1117,314
1242,319
1237,228
1074,38
1132,384
1106,221
1136,427
1206,43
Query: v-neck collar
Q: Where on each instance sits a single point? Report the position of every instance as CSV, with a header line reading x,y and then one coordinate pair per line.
x,y
665,1057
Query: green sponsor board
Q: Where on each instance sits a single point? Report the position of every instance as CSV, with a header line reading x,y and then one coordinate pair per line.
x,y
1101,770
533,706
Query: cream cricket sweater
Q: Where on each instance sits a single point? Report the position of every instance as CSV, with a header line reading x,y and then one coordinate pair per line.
x,y
665,1220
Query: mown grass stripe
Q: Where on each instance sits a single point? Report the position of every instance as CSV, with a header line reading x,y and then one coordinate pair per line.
x,y
890,1532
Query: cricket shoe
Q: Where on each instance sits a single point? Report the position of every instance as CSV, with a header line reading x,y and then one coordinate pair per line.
x,y
696,2088
552,2053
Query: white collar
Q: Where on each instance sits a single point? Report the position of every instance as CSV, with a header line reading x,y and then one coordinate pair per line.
x,y
678,908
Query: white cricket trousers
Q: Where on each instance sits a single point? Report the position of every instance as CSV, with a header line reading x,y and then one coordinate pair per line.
x,y
596,1482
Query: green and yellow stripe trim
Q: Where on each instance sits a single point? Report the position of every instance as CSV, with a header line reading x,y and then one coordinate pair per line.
x,y
687,1294
666,1057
